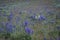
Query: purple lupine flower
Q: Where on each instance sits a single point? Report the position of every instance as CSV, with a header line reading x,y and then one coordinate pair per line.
x,y
33,16
28,30
26,23
42,17
9,27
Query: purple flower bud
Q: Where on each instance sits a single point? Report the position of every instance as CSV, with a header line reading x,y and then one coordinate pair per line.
x,y
9,27
28,30
32,17
25,23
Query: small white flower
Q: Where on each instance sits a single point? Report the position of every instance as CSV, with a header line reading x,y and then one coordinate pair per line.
x,y
37,17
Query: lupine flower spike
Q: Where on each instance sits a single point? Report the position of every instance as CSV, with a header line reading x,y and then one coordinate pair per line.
x,y
28,30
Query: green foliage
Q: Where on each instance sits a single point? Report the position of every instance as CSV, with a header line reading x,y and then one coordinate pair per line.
x,y
22,37
53,34
5,35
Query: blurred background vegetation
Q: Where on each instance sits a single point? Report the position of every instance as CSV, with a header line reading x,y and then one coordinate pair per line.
x,y
13,15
